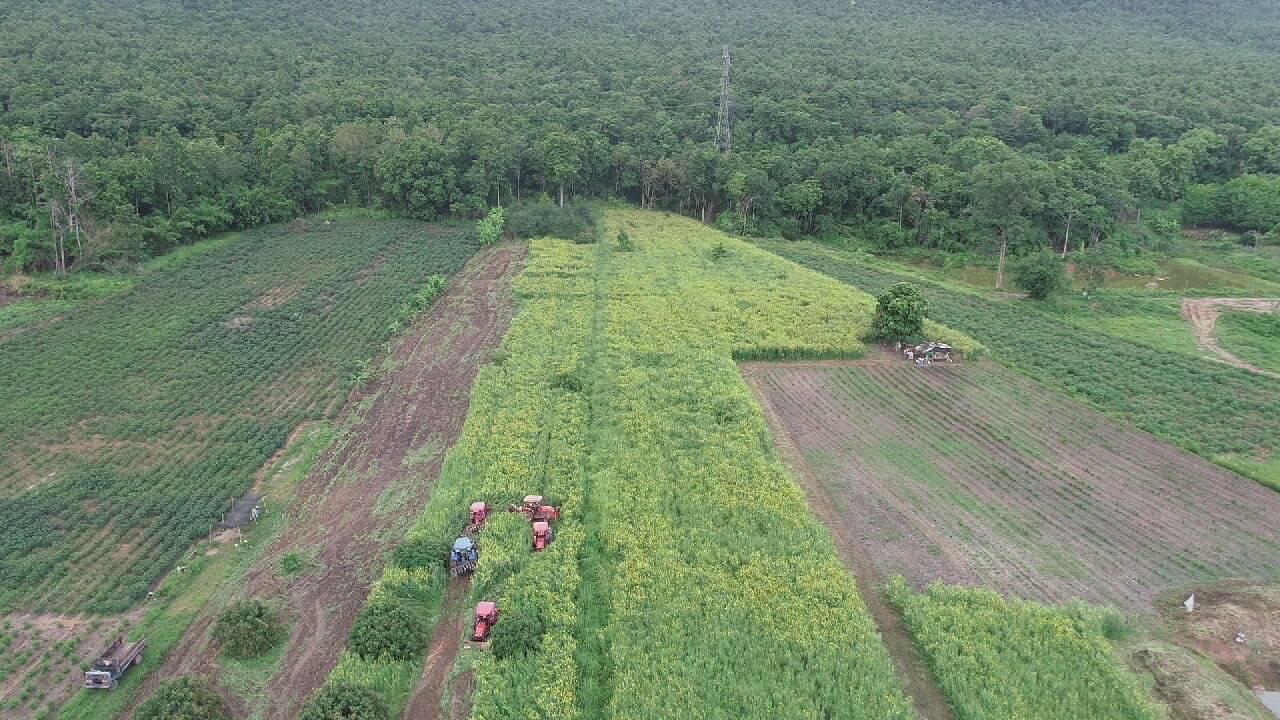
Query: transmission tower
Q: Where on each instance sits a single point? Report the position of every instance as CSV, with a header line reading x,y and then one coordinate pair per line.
x,y
724,124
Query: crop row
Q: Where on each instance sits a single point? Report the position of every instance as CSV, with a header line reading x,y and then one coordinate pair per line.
x,y
1206,407
998,659
131,425
1026,484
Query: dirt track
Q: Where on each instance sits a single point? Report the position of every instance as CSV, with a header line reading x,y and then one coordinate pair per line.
x,y
366,488
1203,315
973,475
446,640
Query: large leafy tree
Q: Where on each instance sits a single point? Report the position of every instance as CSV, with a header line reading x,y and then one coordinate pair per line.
x,y
1007,195
900,313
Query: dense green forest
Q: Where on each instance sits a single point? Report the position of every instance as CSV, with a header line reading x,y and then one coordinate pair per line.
x,y
130,126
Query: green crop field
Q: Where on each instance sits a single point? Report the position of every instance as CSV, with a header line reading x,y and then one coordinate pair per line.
x,y
617,396
131,422
1220,412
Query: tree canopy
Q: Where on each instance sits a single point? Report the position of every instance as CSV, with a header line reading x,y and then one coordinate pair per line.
x,y
129,127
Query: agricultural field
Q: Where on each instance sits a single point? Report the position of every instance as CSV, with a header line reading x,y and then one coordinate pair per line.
x,y
616,395
132,422
361,494
972,475
1223,413
998,659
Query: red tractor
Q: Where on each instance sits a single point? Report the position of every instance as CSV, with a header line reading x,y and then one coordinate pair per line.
x,y
536,510
479,513
542,535
486,618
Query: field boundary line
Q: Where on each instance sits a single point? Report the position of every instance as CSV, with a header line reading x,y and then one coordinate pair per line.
x,y
917,679
595,592
1203,315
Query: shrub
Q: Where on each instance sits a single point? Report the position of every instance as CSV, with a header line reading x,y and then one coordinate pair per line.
x,y
519,633
420,551
388,629
900,312
292,564
490,226
345,701
571,222
183,699
248,628
624,241
719,251
1041,274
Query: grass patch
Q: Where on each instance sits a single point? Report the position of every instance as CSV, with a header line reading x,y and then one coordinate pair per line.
x,y
1252,337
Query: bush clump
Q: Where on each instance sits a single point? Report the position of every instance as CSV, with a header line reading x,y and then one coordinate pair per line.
x,y
574,221
490,226
420,552
183,699
900,312
388,629
345,701
1041,274
518,634
248,628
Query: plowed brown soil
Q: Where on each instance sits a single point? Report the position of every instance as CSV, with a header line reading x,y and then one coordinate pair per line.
x,y
365,489
971,474
917,681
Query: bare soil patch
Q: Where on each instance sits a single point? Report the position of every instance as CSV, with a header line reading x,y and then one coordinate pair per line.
x,y
973,475
1202,313
460,702
422,399
1237,624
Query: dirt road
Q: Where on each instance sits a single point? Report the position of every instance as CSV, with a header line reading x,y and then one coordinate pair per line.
x,y
446,639
366,488
1203,315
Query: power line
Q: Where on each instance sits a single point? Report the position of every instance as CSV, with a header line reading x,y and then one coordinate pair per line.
x,y
724,131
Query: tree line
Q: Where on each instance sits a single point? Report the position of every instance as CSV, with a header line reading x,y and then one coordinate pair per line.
x,y
128,128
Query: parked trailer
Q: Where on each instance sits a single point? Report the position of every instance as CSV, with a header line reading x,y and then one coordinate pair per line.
x,y
111,664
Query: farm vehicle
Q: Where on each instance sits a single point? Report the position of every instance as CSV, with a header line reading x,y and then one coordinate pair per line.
x,y
463,557
542,535
479,513
106,670
536,510
532,507
486,618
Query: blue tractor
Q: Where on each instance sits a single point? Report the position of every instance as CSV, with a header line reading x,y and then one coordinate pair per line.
x,y
463,557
